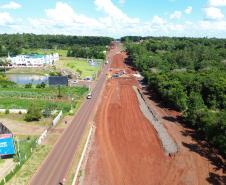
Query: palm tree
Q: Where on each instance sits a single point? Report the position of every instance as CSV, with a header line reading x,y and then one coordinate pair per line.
x,y
4,63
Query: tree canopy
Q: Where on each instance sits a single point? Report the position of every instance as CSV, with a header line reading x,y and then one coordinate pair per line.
x,y
15,43
188,74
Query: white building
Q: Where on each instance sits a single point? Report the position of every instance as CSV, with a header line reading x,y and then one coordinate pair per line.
x,y
34,60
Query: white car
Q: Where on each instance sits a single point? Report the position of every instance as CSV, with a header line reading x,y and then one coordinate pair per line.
x,y
75,81
89,96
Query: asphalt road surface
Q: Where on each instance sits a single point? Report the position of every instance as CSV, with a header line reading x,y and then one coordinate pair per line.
x,y
58,162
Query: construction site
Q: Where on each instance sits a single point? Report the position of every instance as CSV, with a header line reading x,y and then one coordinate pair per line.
x,y
134,144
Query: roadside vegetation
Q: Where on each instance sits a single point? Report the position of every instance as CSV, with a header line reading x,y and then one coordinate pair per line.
x,y
189,75
26,172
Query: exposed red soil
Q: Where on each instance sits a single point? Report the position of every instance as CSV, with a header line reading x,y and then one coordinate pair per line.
x,y
118,58
126,149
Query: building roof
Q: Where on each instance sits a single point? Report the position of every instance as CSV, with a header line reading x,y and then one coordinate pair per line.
x,y
4,129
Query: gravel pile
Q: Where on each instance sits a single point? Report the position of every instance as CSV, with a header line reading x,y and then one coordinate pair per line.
x,y
169,145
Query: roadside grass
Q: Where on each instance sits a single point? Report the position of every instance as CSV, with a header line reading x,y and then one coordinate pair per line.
x,y
30,167
23,144
75,64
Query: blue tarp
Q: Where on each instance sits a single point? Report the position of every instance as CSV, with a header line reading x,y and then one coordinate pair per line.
x,y
7,146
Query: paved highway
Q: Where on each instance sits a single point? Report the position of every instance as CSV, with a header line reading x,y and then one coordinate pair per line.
x,y
58,162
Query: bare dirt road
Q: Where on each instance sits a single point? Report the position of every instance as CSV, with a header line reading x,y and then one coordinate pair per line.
x,y
127,151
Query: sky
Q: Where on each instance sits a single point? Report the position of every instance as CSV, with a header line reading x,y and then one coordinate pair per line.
x,y
115,18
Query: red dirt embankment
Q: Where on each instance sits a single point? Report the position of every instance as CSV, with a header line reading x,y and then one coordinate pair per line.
x,y
126,149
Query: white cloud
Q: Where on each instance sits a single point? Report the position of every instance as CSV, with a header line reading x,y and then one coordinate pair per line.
x,y
213,26
11,5
176,15
188,10
5,18
158,20
113,11
214,13
217,3
64,14
63,19
122,2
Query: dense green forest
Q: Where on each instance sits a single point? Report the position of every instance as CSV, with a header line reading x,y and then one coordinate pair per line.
x,y
188,74
15,43
87,52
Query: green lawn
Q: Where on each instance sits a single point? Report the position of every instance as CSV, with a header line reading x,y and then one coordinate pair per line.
x,y
75,64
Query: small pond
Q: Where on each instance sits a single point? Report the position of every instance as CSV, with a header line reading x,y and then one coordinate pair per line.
x,y
27,78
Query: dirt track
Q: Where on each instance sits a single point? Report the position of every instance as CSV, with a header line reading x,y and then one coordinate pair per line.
x,y
126,149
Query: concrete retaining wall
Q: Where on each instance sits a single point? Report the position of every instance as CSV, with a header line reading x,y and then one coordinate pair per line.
x,y
168,143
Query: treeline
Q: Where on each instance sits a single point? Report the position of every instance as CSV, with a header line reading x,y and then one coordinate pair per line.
x,y
190,75
87,52
15,43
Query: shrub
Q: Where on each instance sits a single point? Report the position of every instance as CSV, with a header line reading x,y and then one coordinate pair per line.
x,y
42,85
7,111
28,85
33,114
47,113
55,73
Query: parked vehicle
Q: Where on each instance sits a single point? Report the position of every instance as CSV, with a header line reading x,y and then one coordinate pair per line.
x,y
89,96
75,82
88,79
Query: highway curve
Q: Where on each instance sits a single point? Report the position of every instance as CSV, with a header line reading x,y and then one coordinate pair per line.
x,y
58,162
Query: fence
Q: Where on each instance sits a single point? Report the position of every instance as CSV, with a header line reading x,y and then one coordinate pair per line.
x,y
57,118
42,137
45,133
14,111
